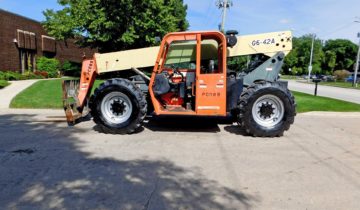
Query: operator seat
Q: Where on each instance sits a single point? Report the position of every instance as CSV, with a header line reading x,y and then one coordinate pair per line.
x,y
161,85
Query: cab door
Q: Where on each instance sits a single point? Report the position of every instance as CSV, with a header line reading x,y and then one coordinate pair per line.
x,y
211,75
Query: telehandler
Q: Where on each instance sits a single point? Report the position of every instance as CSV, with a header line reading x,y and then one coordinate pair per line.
x,y
189,78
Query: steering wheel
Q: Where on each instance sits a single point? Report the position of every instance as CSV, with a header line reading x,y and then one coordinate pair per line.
x,y
175,72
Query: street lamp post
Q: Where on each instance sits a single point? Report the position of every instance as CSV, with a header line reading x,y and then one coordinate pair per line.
x,y
357,58
224,4
311,57
357,63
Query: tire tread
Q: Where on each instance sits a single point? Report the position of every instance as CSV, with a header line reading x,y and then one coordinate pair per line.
x,y
245,110
136,123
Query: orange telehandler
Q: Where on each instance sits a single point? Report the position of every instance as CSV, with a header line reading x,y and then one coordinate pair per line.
x,y
190,77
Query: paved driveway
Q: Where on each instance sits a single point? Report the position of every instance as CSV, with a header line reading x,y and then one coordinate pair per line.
x,y
178,165
345,94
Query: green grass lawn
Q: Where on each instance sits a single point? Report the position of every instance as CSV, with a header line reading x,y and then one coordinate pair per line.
x,y
47,94
4,83
42,94
307,103
340,84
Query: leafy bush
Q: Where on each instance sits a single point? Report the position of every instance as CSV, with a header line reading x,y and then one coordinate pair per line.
x,y
3,83
49,65
71,68
35,75
341,74
10,75
2,75
43,74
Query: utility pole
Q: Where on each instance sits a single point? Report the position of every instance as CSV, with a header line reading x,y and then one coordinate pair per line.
x,y
224,5
357,63
311,57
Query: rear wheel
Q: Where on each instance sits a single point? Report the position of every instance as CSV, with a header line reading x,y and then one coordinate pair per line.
x,y
266,109
118,106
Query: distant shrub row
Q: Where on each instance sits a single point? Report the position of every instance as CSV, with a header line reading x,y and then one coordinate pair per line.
x,y
10,75
54,69
46,68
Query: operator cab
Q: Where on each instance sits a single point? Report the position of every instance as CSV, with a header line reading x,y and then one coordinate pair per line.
x,y
190,75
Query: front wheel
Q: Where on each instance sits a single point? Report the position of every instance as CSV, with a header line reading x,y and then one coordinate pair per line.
x,y
266,109
118,106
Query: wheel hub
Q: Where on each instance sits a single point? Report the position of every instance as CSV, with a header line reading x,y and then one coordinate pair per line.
x,y
118,107
266,110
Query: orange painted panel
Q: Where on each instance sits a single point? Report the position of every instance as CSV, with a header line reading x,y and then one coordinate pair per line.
x,y
211,94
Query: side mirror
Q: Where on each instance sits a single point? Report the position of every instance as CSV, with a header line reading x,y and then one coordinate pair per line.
x,y
231,38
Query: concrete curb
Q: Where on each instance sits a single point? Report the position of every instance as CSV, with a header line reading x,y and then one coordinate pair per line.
x,y
332,114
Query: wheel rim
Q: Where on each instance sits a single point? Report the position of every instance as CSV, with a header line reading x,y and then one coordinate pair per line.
x,y
116,107
268,111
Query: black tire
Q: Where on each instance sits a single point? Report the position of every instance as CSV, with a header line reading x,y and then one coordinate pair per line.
x,y
103,111
256,122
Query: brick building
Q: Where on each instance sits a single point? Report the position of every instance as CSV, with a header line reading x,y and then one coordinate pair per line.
x,y
23,39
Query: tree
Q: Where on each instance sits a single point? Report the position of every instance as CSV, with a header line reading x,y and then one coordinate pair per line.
x,y
290,62
238,63
330,61
114,25
299,57
304,51
345,53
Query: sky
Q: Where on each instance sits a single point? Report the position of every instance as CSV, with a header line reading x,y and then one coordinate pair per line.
x,y
328,19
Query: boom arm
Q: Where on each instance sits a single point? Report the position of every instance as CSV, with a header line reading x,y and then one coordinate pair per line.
x,y
267,43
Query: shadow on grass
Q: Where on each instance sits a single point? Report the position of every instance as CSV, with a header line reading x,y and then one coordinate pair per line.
x,y
42,167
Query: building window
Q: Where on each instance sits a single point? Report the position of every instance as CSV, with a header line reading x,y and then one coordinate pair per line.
x,y
27,50
27,60
48,44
